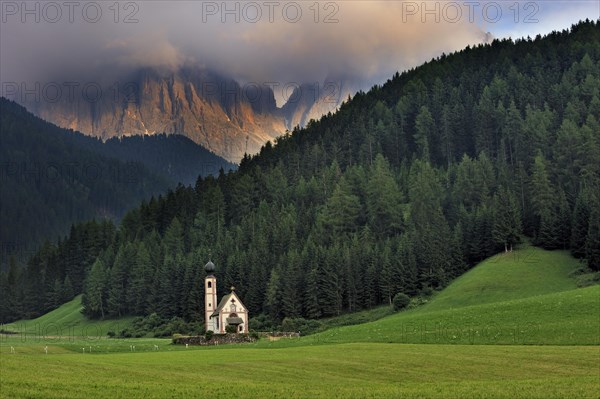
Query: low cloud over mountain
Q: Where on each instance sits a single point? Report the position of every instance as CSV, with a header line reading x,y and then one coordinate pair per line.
x,y
280,42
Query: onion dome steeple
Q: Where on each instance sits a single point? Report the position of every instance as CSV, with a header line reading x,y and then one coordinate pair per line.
x,y
209,267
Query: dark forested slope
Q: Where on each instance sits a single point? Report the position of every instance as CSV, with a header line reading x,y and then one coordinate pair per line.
x,y
50,181
403,189
176,157
52,177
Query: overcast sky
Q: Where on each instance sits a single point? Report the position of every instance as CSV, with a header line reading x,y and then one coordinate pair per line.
x,y
264,41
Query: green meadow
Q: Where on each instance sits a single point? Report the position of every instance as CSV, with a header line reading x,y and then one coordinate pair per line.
x,y
515,326
67,320
525,297
331,371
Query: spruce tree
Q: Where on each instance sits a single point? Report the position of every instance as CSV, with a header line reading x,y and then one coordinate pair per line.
x,y
139,281
424,129
312,308
580,222
592,242
94,295
342,210
67,290
383,200
273,297
506,228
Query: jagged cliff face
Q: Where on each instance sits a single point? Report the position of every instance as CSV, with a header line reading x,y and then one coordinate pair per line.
x,y
311,101
215,112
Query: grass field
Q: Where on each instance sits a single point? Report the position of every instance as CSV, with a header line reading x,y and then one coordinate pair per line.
x,y
524,297
68,320
330,371
565,318
515,326
519,274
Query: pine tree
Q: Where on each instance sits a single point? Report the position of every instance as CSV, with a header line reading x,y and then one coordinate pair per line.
x,y
164,300
408,260
94,296
342,210
242,201
312,309
117,293
67,290
424,129
292,287
486,123
273,297
178,291
194,283
139,281
569,155
257,261
457,252
579,232
55,295
383,200
542,201
506,228
372,282
549,231
390,284
7,310
512,130
592,242
329,285
173,240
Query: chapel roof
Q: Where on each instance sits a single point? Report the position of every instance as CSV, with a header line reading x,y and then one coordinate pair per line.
x,y
222,304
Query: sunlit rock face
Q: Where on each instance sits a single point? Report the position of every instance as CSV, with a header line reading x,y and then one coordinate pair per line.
x,y
216,112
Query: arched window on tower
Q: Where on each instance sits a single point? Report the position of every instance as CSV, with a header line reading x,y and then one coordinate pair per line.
x,y
209,284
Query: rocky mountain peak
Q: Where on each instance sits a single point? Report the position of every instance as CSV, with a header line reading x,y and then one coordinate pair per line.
x,y
215,111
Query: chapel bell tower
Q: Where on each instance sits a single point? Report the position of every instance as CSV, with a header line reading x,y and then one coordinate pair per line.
x,y
210,296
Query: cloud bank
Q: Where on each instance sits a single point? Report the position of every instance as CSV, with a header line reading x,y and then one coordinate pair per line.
x,y
364,42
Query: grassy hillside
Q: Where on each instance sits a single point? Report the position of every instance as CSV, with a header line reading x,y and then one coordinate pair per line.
x,y
524,273
68,320
524,297
519,274
565,318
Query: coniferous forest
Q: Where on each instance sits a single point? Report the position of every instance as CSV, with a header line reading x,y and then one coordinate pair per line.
x,y
402,190
52,177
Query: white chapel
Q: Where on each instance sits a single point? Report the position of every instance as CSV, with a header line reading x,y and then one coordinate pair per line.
x,y
230,311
